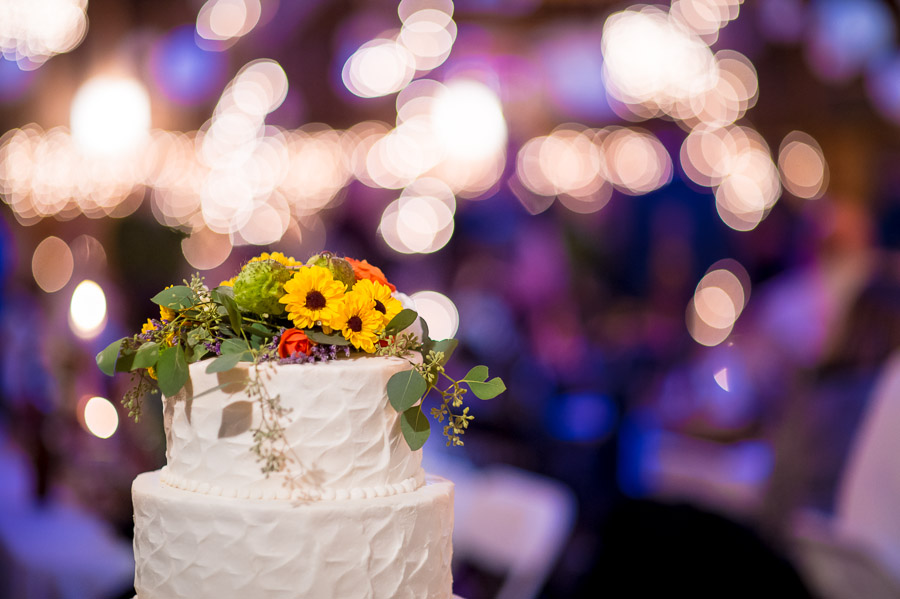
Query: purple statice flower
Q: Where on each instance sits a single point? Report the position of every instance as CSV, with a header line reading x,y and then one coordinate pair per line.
x,y
157,325
215,348
317,353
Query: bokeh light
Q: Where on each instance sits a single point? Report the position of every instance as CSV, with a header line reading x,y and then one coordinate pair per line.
x,y
87,310
718,301
651,60
227,19
737,162
636,161
439,312
100,417
32,31
468,120
52,264
804,171
380,67
110,116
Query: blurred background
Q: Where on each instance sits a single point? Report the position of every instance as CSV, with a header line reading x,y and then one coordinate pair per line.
x,y
670,228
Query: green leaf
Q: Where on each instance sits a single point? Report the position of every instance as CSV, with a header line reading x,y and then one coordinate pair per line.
x,y
448,346
147,355
415,427
323,339
125,361
234,346
223,363
406,388
225,296
196,353
260,330
478,374
487,390
106,359
220,291
176,298
405,318
171,370
427,342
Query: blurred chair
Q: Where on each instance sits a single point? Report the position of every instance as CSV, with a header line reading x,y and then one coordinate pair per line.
x,y
513,524
856,553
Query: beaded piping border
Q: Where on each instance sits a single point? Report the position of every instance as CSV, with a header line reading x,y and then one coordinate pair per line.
x,y
282,493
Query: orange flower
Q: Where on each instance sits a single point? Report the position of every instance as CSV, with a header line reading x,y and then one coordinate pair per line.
x,y
363,270
293,341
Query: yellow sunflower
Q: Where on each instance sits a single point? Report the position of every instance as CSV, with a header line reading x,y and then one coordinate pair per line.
x,y
359,321
313,296
229,282
167,314
380,294
277,257
148,326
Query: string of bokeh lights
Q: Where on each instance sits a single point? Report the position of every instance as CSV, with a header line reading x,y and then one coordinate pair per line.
x,y
238,180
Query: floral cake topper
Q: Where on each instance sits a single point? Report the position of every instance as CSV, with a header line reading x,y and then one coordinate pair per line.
x,y
277,309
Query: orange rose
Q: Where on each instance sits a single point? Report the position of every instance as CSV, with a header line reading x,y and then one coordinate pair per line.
x,y
293,341
363,270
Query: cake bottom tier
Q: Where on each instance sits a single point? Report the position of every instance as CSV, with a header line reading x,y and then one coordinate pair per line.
x,y
192,546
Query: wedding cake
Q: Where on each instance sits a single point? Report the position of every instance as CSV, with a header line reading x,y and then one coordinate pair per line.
x,y
359,520
294,410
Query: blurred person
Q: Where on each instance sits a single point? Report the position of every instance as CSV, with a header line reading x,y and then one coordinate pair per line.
x,y
824,409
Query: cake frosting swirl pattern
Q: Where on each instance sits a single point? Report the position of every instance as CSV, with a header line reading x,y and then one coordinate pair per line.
x,y
341,431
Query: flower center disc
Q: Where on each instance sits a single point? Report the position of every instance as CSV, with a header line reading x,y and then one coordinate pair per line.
x,y
354,324
380,307
315,300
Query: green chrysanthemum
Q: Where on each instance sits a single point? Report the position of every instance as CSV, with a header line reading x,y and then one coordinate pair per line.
x,y
260,285
340,269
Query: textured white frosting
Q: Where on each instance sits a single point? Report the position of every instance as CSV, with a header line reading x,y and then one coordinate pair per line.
x,y
343,433
192,546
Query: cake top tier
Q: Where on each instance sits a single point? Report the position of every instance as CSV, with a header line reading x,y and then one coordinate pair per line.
x,y
339,437
279,311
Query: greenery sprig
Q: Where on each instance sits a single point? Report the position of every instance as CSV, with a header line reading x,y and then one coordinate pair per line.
x,y
407,389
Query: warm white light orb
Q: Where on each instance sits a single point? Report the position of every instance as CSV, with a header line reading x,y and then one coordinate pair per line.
x,y
468,120
439,312
110,116
100,417
87,310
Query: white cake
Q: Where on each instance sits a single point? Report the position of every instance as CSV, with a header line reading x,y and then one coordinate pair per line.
x,y
362,520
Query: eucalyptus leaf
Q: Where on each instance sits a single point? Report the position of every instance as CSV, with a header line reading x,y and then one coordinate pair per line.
x,y
146,356
125,361
260,330
323,339
406,388
106,359
176,298
487,390
234,346
401,321
196,353
231,309
415,427
223,290
478,374
427,341
171,370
